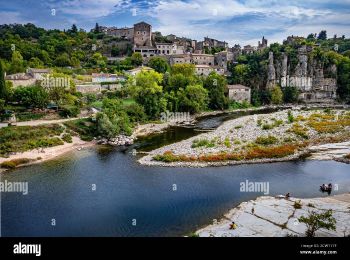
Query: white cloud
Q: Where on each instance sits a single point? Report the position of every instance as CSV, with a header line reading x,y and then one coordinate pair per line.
x,y
7,17
238,22
87,8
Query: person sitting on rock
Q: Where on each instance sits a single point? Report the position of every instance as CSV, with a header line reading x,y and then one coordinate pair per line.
x,y
287,196
233,225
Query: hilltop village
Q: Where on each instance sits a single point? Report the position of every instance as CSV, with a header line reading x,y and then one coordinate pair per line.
x,y
111,85
315,81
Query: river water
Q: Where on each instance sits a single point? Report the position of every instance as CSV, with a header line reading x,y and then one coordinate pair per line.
x,y
103,191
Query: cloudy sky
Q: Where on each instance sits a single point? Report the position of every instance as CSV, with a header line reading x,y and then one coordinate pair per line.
x,y
235,21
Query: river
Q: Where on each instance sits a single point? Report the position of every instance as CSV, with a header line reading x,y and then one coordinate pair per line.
x,y
103,191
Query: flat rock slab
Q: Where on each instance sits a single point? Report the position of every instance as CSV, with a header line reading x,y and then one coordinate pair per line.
x,y
273,217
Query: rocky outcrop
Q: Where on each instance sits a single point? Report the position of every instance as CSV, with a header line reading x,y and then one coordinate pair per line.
x,y
120,140
278,217
305,72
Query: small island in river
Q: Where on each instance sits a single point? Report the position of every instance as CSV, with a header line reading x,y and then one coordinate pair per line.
x,y
280,136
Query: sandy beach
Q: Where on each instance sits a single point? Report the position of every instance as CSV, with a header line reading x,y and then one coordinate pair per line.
x,y
45,154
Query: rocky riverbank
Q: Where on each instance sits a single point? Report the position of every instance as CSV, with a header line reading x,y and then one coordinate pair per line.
x,y
280,136
276,217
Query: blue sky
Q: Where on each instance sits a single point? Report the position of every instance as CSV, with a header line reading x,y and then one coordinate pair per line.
x,y
235,21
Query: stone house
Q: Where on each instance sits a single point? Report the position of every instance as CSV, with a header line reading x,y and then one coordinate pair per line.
x,y
142,34
134,72
205,70
29,78
223,58
169,49
203,59
146,51
180,59
103,77
239,93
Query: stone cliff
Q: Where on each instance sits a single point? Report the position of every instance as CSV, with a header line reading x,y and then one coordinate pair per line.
x,y
304,71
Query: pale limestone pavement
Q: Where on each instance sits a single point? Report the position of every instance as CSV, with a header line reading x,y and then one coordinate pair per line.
x,y
276,217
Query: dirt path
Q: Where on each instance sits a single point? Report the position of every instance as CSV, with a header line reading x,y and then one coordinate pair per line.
x,y
41,122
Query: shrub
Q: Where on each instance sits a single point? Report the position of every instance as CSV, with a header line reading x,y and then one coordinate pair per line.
x,y
315,221
14,163
203,142
238,127
227,142
266,140
297,204
69,111
290,117
270,152
299,130
8,165
67,138
267,126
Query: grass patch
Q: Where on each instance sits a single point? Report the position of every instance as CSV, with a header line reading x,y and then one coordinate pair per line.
x,y
128,101
238,127
14,163
227,142
83,127
299,130
28,116
253,153
24,138
203,143
267,126
266,140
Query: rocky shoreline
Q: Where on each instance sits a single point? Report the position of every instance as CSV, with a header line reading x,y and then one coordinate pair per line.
x,y
278,217
249,132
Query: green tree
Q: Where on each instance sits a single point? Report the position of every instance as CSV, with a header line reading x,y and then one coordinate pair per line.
x,y
98,60
74,29
63,60
159,64
322,35
115,111
216,86
136,59
17,63
240,73
35,62
193,99
106,128
315,221
343,80
290,94
3,88
2,105
188,70
177,81
149,93
276,95
33,96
